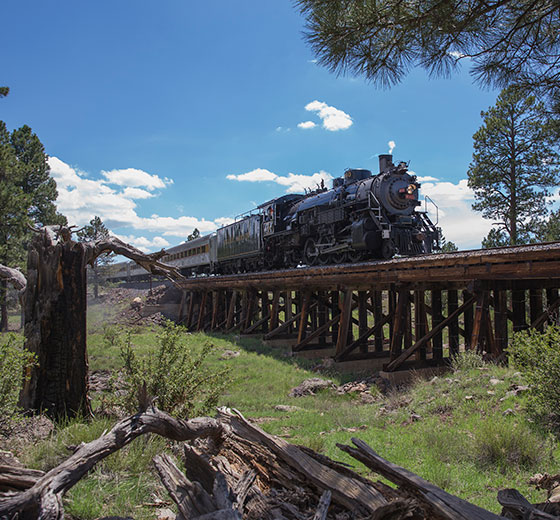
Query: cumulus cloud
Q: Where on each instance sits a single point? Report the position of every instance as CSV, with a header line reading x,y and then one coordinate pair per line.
x,y
294,183
257,175
134,178
143,242
426,178
333,118
306,125
459,223
136,193
80,198
224,221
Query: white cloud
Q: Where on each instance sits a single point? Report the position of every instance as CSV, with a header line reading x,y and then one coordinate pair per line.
x,y
427,178
144,243
306,124
134,178
136,193
391,145
258,175
333,118
81,198
459,223
457,55
295,183
224,221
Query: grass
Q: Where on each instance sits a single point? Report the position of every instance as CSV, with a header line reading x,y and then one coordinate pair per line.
x,y
461,431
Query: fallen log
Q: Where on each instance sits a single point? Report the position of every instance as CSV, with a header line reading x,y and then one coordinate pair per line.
x,y
517,507
44,499
14,478
351,492
440,503
236,470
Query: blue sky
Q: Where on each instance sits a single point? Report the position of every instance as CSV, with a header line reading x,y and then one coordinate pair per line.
x,y
161,117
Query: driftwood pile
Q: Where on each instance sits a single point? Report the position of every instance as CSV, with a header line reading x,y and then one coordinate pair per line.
x,y
236,470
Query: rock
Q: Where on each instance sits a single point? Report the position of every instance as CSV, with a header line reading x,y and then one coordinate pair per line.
x,y
469,397
286,408
434,380
311,386
7,458
490,392
325,364
367,398
509,411
493,381
415,417
165,514
136,303
228,354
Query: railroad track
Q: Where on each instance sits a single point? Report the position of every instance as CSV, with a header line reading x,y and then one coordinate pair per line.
x,y
527,262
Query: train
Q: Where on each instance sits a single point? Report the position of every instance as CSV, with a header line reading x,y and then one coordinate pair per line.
x,y
364,216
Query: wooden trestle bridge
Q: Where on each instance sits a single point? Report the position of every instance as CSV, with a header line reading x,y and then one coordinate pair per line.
x,y
408,312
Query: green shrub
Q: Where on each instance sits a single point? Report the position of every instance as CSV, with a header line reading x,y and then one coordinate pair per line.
x,y
175,375
508,445
537,356
467,361
15,364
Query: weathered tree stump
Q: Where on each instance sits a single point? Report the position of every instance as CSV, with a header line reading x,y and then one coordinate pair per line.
x,y
55,316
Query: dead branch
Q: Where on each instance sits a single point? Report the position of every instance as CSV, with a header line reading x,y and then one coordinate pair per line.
x,y
290,465
150,262
13,277
440,503
44,499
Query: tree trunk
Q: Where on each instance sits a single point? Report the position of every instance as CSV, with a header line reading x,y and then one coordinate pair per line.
x,y
55,327
3,306
55,316
95,280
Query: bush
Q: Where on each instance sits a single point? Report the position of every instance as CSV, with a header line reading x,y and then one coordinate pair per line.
x,y
467,361
15,364
175,375
509,445
537,356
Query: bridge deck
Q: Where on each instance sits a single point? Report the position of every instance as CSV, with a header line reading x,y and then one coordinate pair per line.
x,y
536,261
405,312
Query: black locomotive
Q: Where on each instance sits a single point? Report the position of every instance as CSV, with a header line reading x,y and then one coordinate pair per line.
x,y
364,216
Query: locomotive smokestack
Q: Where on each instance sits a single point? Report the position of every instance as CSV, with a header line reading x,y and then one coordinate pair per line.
x,y
385,162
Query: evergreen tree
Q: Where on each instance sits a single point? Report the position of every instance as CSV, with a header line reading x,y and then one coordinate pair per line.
x,y
96,230
514,165
27,195
448,247
4,91
506,41
550,230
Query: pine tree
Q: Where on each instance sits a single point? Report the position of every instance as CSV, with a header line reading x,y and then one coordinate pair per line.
x,y
550,230
27,195
514,165
505,41
96,230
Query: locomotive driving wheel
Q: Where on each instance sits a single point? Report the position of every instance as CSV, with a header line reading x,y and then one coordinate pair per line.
x,y
310,252
387,249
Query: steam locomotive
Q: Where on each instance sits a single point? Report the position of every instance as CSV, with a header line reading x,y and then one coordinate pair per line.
x,y
363,217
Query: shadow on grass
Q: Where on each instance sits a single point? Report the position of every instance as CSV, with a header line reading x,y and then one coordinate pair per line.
x,y
255,344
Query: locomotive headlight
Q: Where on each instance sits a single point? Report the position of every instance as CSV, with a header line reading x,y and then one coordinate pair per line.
x,y
411,189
